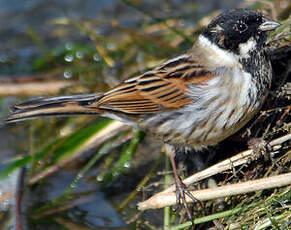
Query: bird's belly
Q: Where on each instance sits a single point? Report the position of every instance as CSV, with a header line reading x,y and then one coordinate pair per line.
x,y
186,129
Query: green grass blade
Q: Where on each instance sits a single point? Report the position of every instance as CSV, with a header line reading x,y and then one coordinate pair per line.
x,y
26,160
77,139
125,157
62,147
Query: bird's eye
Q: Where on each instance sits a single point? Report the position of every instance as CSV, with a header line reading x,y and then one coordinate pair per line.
x,y
240,27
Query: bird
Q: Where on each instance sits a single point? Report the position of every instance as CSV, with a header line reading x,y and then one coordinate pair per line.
x,y
194,100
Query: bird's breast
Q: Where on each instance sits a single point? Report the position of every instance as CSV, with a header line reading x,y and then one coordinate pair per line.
x,y
219,109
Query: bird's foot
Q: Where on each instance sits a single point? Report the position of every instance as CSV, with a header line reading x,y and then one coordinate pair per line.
x,y
181,189
181,193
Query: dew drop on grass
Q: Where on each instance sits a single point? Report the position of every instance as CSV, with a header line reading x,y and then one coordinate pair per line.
x,y
69,58
68,74
100,178
127,165
96,57
80,55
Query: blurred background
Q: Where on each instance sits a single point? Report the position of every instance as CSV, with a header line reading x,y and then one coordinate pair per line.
x,y
84,172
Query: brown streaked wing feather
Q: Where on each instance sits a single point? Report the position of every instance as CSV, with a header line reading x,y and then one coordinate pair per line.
x,y
126,98
161,89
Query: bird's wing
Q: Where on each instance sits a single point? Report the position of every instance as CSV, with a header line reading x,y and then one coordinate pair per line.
x,y
162,89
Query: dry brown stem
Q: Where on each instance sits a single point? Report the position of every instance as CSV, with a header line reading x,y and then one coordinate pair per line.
x,y
33,88
167,197
162,200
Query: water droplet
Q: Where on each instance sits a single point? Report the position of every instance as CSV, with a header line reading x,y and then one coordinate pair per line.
x,y
80,55
69,58
68,74
65,131
127,165
96,57
99,178
73,186
79,176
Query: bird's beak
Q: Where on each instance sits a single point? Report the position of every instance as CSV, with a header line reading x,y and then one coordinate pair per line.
x,y
268,25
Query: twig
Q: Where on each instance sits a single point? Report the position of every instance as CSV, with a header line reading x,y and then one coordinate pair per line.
x,y
239,159
280,140
167,199
33,88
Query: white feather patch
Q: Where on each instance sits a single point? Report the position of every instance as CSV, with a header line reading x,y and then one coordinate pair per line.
x,y
248,46
218,55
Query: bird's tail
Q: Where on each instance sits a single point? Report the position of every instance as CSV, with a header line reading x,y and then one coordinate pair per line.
x,y
66,105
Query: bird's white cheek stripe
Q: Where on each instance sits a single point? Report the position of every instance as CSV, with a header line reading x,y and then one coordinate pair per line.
x,y
218,55
244,48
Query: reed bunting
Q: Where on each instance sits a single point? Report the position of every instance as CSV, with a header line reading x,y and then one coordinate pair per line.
x,y
194,100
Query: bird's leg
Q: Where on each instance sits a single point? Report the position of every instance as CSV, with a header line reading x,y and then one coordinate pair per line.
x,y
181,188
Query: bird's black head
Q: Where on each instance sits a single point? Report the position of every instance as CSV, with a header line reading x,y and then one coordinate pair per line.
x,y
233,29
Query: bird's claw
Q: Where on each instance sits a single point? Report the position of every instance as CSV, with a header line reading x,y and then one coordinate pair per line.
x,y
181,193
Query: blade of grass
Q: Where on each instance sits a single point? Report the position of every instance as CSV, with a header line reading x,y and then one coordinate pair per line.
x,y
96,139
276,218
126,154
27,159
62,147
102,151
77,139
141,184
272,220
209,218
